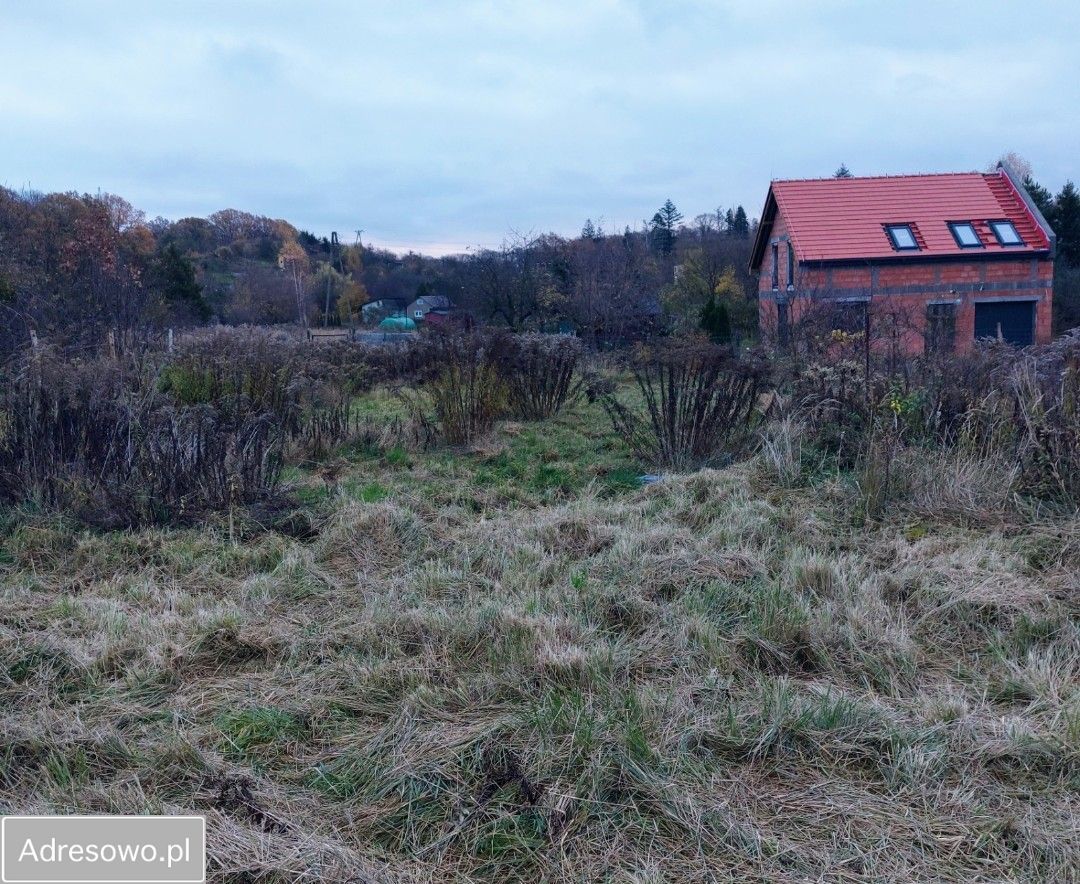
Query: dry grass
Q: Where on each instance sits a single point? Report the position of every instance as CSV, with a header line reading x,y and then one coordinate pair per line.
x,y
725,675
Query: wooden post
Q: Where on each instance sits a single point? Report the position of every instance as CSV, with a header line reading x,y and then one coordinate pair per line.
x,y
35,358
866,350
112,344
170,340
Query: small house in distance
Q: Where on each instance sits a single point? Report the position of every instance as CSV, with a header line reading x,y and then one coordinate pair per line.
x,y
959,256
423,305
438,311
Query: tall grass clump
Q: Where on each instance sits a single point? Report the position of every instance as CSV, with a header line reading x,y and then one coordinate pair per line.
x,y
783,444
1046,414
698,403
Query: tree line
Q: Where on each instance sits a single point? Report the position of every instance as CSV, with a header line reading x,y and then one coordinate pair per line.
x,y
82,269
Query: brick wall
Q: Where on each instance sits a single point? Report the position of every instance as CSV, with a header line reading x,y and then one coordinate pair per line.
x,y
908,288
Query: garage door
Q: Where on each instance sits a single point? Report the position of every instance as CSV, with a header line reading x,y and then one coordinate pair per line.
x,y
1014,319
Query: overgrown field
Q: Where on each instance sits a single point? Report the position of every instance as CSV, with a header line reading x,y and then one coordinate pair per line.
x,y
507,660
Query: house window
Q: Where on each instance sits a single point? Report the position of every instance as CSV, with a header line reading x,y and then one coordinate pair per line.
x,y
940,327
419,314
783,323
775,265
902,237
965,234
1006,233
790,266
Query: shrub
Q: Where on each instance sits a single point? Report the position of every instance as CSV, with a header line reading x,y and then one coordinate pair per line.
x,y
541,374
699,403
98,439
461,382
1018,409
215,368
307,388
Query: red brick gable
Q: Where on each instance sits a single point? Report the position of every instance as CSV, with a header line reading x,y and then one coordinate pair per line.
x,y
843,219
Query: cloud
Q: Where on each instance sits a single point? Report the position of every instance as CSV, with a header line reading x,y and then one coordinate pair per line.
x,y
452,122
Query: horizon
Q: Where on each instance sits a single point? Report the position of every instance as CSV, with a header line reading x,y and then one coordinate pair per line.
x,y
442,131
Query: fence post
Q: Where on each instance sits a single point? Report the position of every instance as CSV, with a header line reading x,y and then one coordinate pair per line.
x,y
112,344
170,340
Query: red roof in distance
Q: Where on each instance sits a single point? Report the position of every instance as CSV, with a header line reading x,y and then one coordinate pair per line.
x,y
839,219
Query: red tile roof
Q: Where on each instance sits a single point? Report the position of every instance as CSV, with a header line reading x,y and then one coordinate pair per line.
x,y
836,219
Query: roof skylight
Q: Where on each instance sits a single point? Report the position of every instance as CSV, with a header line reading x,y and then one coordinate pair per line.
x,y
965,234
902,237
1006,233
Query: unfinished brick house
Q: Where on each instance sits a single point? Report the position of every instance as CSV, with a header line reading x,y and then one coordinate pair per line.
x,y
948,258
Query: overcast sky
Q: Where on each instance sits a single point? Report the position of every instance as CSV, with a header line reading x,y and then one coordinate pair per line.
x,y
445,125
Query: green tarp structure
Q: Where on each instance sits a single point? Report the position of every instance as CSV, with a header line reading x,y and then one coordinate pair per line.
x,y
397,323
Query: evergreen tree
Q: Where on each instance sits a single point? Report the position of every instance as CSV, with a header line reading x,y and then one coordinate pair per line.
x,y
715,321
729,221
588,231
671,216
843,172
1041,197
178,284
1066,223
740,224
661,235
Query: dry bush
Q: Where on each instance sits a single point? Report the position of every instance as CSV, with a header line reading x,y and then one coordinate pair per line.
x,y
96,438
308,388
1022,407
699,403
541,374
1017,408
460,383
469,380
162,437
229,365
839,396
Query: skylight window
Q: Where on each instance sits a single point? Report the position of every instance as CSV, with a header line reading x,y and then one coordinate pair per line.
x,y
1006,234
965,234
902,237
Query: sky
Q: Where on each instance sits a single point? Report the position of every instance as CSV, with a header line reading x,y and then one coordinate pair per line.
x,y
448,126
